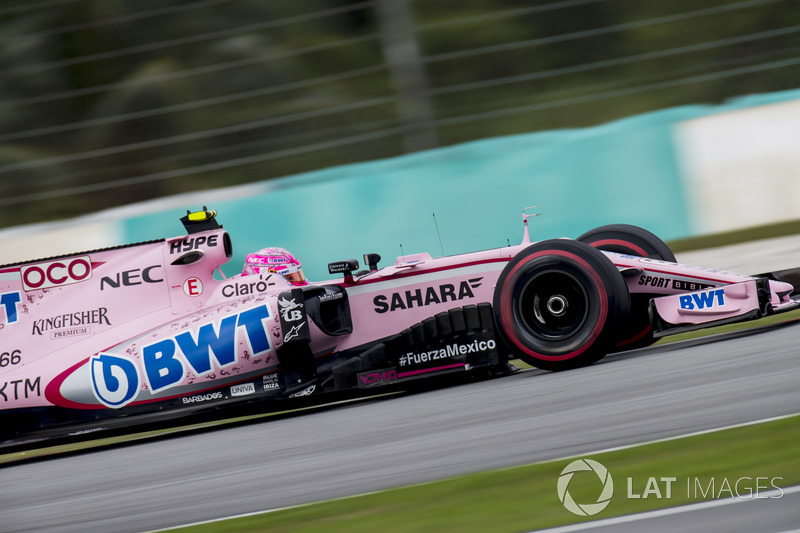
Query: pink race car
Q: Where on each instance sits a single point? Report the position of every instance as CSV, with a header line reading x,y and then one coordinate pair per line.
x,y
137,332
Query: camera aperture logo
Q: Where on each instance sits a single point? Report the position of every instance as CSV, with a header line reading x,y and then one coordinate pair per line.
x,y
639,487
585,509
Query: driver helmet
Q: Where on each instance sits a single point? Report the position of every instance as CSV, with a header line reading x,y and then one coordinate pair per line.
x,y
275,260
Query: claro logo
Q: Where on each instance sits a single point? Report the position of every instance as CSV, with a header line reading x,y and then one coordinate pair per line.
x,y
56,273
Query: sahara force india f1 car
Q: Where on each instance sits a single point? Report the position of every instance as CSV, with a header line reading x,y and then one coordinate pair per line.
x,y
155,327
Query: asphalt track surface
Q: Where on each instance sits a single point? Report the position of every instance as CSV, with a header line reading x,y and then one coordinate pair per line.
x,y
527,417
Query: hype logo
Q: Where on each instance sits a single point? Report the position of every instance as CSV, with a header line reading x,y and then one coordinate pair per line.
x,y
115,379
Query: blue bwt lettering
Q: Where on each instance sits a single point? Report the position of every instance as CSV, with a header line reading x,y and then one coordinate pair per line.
x,y
116,381
10,301
702,300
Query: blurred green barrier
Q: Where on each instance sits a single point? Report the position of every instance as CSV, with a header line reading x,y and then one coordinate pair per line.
x,y
625,171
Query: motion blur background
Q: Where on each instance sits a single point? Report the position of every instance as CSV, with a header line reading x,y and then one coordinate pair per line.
x,y
345,125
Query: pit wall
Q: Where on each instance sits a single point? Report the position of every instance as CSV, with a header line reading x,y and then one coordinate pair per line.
x,y
679,172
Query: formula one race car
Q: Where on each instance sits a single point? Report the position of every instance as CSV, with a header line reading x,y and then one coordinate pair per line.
x,y
149,328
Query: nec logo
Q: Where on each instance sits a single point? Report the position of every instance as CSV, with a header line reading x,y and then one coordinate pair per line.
x,y
56,273
137,276
703,300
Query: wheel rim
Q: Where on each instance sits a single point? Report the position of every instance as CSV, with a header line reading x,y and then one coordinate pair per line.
x,y
553,305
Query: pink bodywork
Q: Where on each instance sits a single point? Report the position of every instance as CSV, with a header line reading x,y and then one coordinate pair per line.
x,y
59,317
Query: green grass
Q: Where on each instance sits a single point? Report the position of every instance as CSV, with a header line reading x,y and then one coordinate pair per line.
x,y
779,229
524,498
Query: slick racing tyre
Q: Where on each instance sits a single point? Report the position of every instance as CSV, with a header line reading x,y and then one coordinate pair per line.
x,y
558,304
636,331
627,239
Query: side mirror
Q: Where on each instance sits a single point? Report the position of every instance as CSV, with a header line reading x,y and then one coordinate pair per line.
x,y
343,267
371,261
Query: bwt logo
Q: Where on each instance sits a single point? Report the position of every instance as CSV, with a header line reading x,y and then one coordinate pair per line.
x,y
166,361
56,273
115,379
10,304
703,300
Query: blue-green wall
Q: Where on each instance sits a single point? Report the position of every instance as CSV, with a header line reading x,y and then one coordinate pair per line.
x,y
622,172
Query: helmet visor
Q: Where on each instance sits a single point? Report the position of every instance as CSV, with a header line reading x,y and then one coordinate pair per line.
x,y
296,276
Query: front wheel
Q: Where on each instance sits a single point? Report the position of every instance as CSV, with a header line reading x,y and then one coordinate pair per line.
x,y
558,303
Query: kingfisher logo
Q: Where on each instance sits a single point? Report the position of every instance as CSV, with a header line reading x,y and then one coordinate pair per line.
x,y
426,296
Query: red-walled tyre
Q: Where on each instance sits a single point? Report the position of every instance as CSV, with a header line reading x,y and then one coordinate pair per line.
x,y
558,304
637,331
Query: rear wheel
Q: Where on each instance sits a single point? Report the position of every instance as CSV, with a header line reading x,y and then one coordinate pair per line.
x,y
636,331
558,303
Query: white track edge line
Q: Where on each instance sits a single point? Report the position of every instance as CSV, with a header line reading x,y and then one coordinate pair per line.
x,y
646,515
605,450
